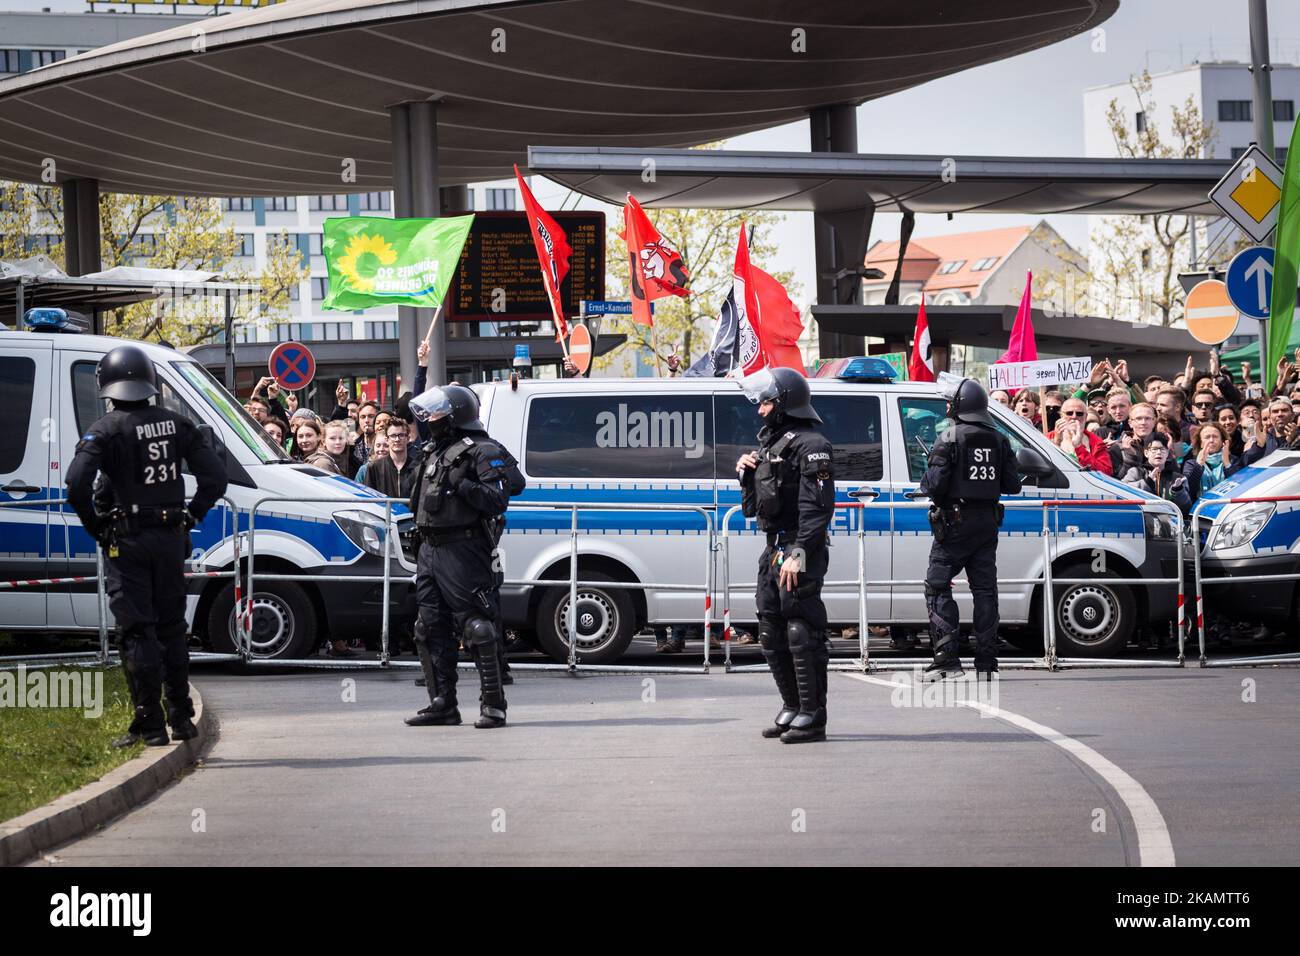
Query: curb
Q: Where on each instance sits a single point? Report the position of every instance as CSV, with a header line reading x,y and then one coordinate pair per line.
x,y
75,814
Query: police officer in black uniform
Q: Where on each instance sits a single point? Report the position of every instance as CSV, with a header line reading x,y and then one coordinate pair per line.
x,y
137,513
970,467
789,485
459,502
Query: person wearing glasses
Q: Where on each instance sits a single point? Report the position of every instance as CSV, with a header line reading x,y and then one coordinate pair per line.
x,y
1071,435
1203,403
394,476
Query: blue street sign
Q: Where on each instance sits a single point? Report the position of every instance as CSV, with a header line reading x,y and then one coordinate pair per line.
x,y
597,307
1250,281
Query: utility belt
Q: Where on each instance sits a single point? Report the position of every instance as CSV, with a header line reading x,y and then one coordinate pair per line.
x,y
441,536
132,519
945,517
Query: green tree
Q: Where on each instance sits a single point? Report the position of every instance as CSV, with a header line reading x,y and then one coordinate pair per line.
x,y
161,232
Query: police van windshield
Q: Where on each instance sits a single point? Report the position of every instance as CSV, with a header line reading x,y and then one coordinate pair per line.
x,y
214,394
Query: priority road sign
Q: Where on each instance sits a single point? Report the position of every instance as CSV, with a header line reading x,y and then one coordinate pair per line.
x,y
292,365
1250,193
1211,316
1250,281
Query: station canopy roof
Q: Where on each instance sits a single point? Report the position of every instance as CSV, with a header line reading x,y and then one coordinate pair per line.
x,y
727,179
274,101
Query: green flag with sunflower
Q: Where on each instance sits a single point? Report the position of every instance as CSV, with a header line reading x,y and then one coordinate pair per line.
x,y
374,262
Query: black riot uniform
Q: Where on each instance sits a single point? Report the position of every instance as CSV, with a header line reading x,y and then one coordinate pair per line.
x,y
459,502
970,467
792,493
136,510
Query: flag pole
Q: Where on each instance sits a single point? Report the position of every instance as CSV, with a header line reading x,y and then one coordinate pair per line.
x,y
557,319
432,322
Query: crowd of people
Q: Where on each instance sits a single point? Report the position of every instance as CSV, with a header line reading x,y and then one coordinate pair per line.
x,y
1173,437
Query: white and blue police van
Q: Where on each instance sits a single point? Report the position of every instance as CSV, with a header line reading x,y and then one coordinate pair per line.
x,y
1253,538
654,441
48,398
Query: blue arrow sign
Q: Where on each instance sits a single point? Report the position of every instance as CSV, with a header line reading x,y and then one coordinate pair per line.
x,y
1250,281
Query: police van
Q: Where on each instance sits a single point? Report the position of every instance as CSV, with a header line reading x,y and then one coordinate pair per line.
x,y
676,441
1254,538
48,398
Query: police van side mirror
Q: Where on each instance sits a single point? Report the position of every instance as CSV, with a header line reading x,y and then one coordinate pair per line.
x,y
1031,462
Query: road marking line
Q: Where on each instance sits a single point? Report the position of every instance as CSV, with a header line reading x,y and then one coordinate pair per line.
x,y
1155,848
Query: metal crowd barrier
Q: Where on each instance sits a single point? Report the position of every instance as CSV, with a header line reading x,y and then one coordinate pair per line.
x,y
392,550
1049,661
1202,580
105,655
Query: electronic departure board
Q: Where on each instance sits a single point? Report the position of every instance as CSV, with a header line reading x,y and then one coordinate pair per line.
x,y
499,255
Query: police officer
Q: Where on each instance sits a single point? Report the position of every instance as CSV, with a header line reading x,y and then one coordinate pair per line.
x,y
459,502
788,484
137,513
970,467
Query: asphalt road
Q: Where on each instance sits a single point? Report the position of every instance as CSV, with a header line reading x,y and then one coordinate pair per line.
x,y
1117,767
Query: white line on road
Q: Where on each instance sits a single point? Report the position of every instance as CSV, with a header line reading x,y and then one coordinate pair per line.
x,y
1155,848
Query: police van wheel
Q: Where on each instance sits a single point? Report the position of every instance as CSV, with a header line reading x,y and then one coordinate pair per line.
x,y
1093,619
605,621
283,621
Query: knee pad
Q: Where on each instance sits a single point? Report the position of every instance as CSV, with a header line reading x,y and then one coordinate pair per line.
x,y
769,636
479,631
800,635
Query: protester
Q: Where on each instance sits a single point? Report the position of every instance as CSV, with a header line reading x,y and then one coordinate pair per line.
x,y
394,476
364,447
1073,438
1209,463
1280,433
275,430
1159,475
1226,416
1026,406
380,451
306,438
1001,397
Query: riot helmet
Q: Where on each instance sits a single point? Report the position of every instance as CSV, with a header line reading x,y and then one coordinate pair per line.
x,y
126,374
969,403
787,389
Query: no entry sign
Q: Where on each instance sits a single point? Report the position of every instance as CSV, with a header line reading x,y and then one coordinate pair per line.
x,y
292,365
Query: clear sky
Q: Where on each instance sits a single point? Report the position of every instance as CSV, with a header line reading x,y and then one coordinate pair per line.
x,y
1028,105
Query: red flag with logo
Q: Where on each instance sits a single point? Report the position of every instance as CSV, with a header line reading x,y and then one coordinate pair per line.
x,y
655,269
553,253
781,322
921,366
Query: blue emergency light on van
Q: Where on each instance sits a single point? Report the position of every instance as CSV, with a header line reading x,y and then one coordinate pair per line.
x,y
522,358
49,320
865,368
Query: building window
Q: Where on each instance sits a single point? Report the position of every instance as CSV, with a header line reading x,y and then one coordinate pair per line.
x,y
294,292
46,57
381,330
328,203
245,247
8,61
320,287
983,265
950,267
1234,111
1140,121
307,243
281,203
376,202
237,204
500,199
313,331
1284,110
1280,153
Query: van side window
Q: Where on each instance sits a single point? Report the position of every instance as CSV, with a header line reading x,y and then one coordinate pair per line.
x,y
852,427
619,436
90,408
927,418
17,388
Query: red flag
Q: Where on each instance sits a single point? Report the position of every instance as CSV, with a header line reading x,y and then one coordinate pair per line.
x,y
921,367
655,269
553,253
1023,348
751,357
782,323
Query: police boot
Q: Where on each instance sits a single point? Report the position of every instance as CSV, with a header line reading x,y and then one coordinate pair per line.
x,y
481,635
442,710
773,640
808,649
180,716
507,678
946,662
144,682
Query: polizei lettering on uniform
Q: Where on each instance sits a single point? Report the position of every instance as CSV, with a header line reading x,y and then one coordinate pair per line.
x,y
73,909
624,429
155,430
